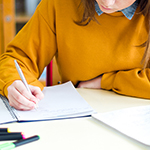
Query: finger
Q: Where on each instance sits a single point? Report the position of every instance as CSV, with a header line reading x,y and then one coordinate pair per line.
x,y
19,101
34,97
21,88
36,91
18,106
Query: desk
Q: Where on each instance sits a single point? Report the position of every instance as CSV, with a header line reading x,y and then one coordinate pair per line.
x,y
82,133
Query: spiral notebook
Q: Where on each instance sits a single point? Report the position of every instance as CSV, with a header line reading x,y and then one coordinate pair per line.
x,y
59,102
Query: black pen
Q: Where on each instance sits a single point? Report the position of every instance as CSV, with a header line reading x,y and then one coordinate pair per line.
x,y
9,146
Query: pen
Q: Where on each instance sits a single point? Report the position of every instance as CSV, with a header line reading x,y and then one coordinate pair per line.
x,y
11,136
9,146
4,130
22,77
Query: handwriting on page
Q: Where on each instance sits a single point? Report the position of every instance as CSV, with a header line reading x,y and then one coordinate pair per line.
x,y
59,101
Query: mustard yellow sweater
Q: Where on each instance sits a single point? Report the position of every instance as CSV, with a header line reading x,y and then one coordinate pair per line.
x,y
82,52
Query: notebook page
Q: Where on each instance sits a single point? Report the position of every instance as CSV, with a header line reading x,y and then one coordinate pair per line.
x,y
60,101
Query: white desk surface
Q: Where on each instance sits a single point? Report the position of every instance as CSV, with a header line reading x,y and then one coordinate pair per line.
x,y
82,133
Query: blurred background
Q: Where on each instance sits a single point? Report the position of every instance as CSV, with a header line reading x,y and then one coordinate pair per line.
x,y
14,14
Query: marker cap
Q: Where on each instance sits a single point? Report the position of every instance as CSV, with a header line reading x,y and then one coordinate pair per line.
x,y
7,146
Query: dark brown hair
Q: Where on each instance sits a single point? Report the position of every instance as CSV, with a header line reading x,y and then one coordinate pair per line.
x,y
89,14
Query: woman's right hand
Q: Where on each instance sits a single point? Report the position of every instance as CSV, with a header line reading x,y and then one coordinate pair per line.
x,y
20,98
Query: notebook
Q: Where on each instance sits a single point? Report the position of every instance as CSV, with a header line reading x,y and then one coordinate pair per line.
x,y
134,122
59,102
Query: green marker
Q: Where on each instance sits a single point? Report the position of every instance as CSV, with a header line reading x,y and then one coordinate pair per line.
x,y
9,146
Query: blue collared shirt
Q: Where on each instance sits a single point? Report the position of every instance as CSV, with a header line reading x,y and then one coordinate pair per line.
x,y
128,12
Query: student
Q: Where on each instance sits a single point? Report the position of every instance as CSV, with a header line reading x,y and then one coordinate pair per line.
x,y
97,44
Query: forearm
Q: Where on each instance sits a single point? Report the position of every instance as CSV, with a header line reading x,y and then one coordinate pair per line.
x,y
133,82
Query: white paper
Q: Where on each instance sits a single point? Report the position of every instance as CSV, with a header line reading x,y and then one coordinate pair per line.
x,y
60,101
133,122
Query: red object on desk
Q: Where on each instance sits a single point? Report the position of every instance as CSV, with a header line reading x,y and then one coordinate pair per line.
x,y
49,74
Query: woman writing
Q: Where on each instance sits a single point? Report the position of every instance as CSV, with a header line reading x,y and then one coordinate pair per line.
x,y
97,43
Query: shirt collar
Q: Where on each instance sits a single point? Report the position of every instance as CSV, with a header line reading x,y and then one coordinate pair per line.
x,y
128,12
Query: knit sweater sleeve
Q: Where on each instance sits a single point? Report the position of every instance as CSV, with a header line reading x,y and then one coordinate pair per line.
x,y
134,82
31,48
